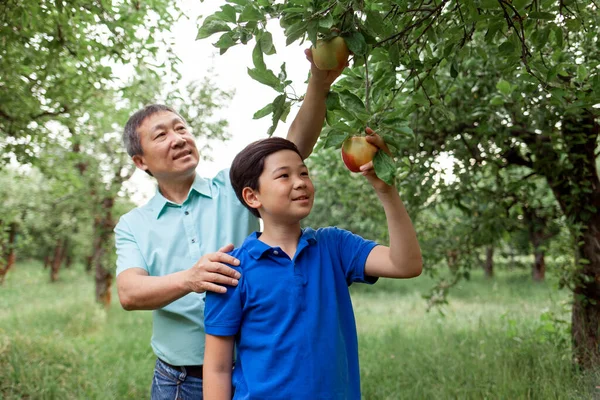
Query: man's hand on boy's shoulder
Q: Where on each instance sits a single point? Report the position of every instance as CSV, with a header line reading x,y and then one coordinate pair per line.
x,y
210,272
368,169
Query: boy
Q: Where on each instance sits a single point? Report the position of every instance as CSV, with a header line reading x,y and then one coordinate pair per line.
x,y
291,315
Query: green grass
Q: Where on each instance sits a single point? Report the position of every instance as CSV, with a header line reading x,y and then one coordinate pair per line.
x,y
496,340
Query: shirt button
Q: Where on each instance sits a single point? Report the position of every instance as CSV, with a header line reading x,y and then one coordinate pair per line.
x,y
193,240
275,252
187,213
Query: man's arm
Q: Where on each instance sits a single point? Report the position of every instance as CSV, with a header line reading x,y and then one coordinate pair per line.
x,y
306,127
139,291
403,258
218,363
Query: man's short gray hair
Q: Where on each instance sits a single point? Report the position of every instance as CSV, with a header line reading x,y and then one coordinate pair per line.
x,y
131,138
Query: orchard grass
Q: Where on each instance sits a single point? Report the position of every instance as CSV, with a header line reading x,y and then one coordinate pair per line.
x,y
496,339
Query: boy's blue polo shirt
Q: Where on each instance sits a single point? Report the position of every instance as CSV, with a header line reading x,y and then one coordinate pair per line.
x,y
162,237
293,319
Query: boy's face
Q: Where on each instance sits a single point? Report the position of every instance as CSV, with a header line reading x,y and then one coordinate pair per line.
x,y
285,192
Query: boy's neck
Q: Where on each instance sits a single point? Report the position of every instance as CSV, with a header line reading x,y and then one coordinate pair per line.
x,y
284,236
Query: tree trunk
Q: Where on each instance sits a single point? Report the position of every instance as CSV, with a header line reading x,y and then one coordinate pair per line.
x,y
577,190
104,225
539,266
586,301
452,260
8,255
488,267
56,261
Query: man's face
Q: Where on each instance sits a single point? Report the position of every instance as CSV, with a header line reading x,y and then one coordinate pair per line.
x,y
169,148
285,193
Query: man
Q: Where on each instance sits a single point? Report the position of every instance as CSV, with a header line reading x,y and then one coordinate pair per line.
x,y
171,250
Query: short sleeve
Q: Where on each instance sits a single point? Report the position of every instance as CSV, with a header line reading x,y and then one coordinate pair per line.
x,y
223,311
353,252
128,251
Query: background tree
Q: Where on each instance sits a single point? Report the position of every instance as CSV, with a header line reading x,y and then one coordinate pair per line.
x,y
511,82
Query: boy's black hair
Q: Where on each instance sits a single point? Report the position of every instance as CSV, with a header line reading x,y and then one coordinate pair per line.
x,y
248,165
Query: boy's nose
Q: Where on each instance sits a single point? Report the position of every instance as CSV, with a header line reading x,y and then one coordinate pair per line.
x,y
300,183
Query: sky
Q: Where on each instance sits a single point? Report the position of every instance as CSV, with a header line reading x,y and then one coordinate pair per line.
x,y
229,72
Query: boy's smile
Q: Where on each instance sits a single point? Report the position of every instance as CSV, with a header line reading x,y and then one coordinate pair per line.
x,y
285,191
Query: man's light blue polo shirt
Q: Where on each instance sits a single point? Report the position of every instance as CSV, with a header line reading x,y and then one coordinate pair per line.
x,y
293,318
162,238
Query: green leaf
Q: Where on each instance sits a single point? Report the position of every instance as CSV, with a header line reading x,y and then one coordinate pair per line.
x,y
353,104
453,70
333,101
558,34
385,168
326,22
504,87
356,43
211,25
295,32
497,101
582,73
263,112
227,13
394,53
278,110
507,48
335,139
225,42
340,126
312,29
266,77
542,15
266,43
250,13
257,57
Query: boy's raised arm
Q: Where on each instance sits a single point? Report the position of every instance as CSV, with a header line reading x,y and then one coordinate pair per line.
x,y
306,127
403,258
218,364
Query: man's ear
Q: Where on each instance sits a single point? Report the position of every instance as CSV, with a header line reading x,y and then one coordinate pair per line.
x,y
140,162
250,197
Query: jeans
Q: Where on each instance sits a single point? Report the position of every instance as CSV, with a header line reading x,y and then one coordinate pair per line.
x,y
171,384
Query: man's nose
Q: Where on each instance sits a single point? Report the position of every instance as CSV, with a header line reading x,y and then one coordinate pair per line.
x,y
178,141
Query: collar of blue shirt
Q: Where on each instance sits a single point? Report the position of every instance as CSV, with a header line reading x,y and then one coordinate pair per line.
x,y
257,249
159,202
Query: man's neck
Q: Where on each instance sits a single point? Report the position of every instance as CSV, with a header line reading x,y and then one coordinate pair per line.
x,y
175,190
284,236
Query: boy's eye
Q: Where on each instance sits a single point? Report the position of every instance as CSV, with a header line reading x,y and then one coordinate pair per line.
x,y
283,176
304,173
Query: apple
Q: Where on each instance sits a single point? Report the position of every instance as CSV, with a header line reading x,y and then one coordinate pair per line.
x,y
331,54
356,152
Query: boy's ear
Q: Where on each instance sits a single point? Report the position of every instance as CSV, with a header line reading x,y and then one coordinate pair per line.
x,y
250,197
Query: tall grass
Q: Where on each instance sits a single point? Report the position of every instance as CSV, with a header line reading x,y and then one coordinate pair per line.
x,y
496,339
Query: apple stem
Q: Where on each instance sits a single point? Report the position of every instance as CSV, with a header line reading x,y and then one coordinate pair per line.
x,y
367,84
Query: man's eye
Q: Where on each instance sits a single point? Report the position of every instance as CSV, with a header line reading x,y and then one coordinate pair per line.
x,y
159,135
180,128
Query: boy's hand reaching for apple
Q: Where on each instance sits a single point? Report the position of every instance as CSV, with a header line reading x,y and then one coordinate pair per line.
x,y
368,170
324,78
